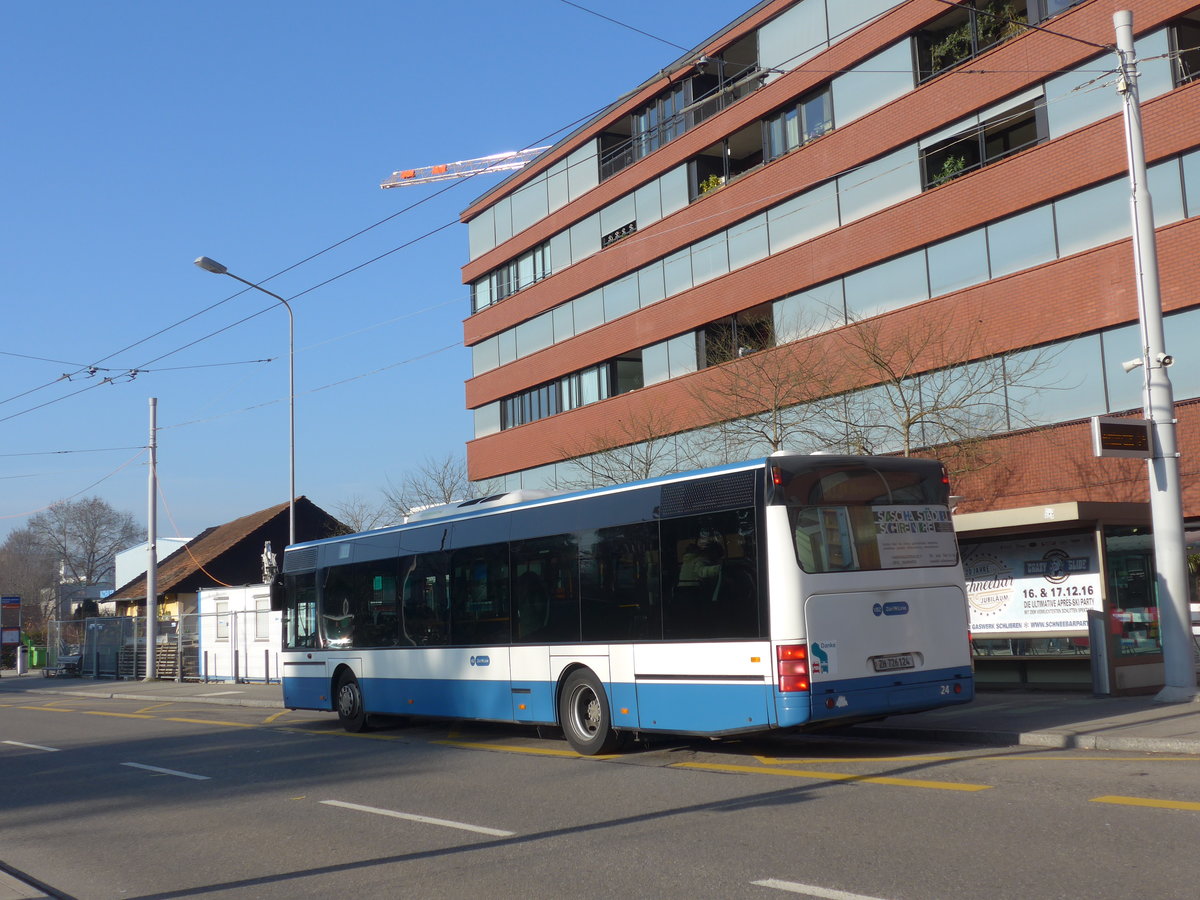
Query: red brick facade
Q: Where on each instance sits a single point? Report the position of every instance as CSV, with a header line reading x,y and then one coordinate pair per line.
x,y
1083,293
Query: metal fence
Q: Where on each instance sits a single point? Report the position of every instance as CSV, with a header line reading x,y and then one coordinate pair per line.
x,y
233,646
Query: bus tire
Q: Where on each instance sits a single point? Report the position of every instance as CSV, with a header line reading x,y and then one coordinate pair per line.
x,y
349,702
584,715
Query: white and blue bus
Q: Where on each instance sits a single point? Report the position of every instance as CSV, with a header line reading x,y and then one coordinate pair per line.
x,y
787,592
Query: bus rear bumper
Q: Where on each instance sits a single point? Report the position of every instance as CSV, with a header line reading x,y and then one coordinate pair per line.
x,y
866,698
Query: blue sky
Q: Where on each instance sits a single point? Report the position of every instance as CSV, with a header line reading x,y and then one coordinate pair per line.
x,y
140,135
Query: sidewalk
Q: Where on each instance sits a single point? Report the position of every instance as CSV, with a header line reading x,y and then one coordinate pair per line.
x,y
1028,718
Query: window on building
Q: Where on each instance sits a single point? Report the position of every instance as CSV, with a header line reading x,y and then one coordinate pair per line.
x,y
222,608
809,118
747,332
712,86
1185,48
989,142
966,31
262,618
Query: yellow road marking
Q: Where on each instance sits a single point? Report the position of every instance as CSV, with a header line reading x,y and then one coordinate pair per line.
x,y
836,760
837,776
507,748
206,722
269,719
155,706
111,715
1146,801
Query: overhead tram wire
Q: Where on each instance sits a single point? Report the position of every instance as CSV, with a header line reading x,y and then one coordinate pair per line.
x,y
1109,48
359,233
450,186
627,25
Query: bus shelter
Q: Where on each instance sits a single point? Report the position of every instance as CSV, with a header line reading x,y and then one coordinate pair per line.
x,y
1033,576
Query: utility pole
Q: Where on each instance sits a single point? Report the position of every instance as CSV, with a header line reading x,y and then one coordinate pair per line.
x,y
152,550
1166,499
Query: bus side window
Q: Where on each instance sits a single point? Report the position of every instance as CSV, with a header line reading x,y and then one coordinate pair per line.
x,y
710,574
479,595
426,612
545,574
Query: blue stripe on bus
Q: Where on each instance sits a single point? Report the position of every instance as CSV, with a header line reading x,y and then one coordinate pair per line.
x,y
703,708
306,693
893,694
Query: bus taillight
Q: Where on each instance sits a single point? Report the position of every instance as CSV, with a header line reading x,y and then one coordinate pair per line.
x,y
793,667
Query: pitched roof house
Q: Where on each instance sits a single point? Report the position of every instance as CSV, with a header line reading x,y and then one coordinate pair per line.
x,y
224,555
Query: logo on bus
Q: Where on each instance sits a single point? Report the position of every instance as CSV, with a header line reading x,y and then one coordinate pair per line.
x,y
898,608
481,660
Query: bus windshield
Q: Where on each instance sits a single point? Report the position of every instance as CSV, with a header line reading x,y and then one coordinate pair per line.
x,y
856,516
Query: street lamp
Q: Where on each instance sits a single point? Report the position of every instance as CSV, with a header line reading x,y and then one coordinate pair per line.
x,y
211,265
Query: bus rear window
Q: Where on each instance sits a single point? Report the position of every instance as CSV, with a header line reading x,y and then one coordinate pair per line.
x,y
858,516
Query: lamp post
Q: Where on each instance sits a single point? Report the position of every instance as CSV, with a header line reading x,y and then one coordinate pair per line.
x,y
211,265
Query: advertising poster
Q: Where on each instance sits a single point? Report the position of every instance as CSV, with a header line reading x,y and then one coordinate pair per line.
x,y
1032,585
910,536
10,620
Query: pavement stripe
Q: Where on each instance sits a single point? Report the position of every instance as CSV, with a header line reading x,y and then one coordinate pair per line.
x,y
445,823
506,748
33,746
162,771
837,776
112,715
1146,801
810,890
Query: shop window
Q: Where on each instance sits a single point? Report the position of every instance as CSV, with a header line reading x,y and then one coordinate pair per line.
x,y
1130,572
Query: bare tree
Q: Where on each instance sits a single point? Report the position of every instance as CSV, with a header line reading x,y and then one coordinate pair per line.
x,y
28,571
359,514
436,481
928,385
84,537
763,397
631,449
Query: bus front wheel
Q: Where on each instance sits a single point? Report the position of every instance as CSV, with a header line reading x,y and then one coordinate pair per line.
x,y
584,715
351,712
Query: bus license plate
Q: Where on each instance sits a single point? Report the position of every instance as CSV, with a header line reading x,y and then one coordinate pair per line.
x,y
890,663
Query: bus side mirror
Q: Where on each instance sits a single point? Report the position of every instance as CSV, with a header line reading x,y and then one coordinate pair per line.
x,y
278,594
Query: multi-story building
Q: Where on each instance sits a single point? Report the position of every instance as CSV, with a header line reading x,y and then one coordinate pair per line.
x,y
867,226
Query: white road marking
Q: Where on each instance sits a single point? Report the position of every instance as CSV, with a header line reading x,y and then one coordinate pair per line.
x,y
167,771
445,823
33,746
810,890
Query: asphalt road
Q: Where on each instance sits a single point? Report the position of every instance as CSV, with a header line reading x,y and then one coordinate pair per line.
x,y
108,798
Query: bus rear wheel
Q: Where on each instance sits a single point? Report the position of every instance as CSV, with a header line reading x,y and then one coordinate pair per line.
x,y
351,712
584,715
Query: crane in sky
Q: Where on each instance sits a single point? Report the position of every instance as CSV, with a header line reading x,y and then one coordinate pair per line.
x,y
497,162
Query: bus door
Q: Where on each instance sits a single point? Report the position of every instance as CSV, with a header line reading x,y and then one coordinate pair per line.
x,y
480,622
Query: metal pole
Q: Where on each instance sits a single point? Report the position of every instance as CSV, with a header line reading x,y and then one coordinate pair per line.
x,y
151,551
1166,499
211,265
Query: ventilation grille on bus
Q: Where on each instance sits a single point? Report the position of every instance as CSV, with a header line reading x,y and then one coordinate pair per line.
x,y
300,560
732,491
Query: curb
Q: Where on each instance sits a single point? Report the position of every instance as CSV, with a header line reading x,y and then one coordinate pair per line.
x,y
1053,740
